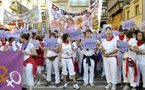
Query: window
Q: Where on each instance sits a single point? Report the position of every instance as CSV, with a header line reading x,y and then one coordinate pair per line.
x,y
136,9
35,26
128,14
43,25
43,12
62,7
74,10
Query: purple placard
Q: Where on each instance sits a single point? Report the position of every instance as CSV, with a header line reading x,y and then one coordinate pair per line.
x,y
94,36
88,43
50,43
127,24
36,44
75,34
11,66
116,32
2,33
122,46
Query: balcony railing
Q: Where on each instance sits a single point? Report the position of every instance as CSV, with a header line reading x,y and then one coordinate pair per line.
x,y
59,0
79,3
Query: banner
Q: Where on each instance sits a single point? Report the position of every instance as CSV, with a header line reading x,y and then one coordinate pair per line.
x,y
88,43
50,43
75,34
8,17
32,16
127,24
122,46
11,66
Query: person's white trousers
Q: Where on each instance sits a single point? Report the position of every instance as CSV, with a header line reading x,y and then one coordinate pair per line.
x,y
130,78
88,77
141,70
67,66
110,67
55,65
28,78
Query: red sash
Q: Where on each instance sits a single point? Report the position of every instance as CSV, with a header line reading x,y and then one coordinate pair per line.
x,y
32,61
127,67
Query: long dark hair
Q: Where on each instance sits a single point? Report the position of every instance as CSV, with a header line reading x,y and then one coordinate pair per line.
x,y
64,38
143,37
129,34
26,36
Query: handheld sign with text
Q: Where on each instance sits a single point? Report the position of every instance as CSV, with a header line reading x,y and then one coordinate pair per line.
x,y
122,46
36,44
88,43
51,43
74,34
127,24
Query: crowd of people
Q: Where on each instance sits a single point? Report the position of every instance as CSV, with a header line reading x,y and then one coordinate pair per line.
x,y
70,59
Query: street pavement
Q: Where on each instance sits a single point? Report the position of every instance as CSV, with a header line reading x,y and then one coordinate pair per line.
x,y
99,85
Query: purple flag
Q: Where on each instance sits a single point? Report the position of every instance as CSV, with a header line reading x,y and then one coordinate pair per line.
x,y
11,64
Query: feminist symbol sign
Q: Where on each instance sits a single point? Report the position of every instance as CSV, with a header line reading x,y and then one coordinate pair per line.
x,y
12,81
11,66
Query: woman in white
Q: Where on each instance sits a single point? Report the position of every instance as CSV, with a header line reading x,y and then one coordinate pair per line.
x,y
141,57
109,52
51,56
89,63
129,62
29,69
66,53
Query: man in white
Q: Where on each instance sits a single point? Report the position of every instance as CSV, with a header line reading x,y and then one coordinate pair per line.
x,y
109,52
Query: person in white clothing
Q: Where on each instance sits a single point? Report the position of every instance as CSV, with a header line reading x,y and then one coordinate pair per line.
x,y
109,52
141,57
65,54
29,69
51,56
129,62
89,63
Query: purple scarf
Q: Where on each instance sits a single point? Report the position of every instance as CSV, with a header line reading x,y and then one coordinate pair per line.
x,y
24,45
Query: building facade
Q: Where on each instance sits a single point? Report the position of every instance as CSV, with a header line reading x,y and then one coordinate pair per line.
x,y
134,10
104,16
115,13
73,6
143,9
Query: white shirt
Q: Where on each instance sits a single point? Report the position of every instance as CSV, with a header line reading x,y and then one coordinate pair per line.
x,y
28,49
109,46
51,53
142,48
67,51
132,42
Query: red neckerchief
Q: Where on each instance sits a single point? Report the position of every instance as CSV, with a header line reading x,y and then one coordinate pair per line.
x,y
139,43
10,44
3,43
66,41
121,37
110,38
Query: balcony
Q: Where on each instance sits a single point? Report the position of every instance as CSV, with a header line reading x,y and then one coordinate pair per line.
x,y
58,1
79,3
13,5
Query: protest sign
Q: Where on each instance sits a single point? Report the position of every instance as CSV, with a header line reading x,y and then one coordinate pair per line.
x,y
88,43
74,34
11,66
127,24
51,43
122,46
36,43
